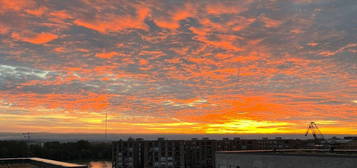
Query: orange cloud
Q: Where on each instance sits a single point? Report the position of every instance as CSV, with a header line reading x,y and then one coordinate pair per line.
x,y
143,62
221,43
61,14
172,21
227,8
346,47
312,44
3,29
40,38
114,23
270,23
37,12
59,49
85,101
106,55
15,5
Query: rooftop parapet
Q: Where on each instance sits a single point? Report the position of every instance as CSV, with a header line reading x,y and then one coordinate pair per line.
x,y
38,162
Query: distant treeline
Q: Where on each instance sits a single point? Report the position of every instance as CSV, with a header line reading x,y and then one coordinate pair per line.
x,y
80,150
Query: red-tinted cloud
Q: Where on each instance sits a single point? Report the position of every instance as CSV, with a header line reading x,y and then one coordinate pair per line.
x,y
40,38
172,20
106,54
15,5
107,23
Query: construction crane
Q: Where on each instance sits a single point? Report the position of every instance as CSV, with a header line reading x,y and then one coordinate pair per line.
x,y
316,133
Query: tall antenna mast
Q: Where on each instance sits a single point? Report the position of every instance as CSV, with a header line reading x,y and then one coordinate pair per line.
x,y
106,124
27,137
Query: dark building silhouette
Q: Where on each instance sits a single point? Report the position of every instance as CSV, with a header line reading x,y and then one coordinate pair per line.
x,y
194,153
200,153
148,154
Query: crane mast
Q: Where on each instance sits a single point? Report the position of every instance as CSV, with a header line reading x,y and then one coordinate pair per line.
x,y
316,133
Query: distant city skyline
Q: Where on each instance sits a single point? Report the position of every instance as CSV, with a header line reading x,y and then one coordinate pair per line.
x,y
179,67
99,137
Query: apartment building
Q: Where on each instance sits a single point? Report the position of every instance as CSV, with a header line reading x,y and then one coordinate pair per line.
x,y
194,153
139,153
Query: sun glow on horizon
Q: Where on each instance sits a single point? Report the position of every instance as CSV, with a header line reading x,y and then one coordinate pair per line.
x,y
249,126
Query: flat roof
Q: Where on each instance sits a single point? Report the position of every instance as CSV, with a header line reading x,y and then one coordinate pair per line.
x,y
297,152
35,160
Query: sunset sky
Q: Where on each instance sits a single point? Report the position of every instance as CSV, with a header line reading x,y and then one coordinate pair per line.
x,y
175,66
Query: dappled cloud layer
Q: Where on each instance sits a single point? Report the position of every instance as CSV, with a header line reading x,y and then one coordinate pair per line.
x,y
206,66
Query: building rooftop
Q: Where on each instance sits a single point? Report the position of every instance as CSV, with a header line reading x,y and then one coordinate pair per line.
x,y
35,163
297,152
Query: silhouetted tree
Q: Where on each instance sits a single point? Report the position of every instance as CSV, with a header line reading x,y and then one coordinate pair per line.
x,y
80,150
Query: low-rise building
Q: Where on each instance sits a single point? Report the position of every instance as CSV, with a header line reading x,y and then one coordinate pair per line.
x,y
285,158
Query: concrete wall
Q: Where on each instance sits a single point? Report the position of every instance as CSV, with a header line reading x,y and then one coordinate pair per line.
x,y
242,160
